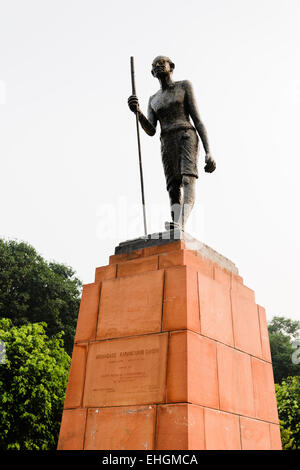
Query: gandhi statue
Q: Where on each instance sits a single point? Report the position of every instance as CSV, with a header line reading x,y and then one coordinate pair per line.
x,y
172,106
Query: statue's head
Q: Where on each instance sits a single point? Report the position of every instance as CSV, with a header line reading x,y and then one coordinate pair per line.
x,y
162,65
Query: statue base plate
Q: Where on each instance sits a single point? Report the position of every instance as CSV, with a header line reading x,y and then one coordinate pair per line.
x,y
171,236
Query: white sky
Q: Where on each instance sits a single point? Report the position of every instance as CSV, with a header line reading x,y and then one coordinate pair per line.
x,y
68,143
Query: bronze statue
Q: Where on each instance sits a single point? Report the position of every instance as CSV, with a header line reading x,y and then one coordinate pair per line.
x,y
172,106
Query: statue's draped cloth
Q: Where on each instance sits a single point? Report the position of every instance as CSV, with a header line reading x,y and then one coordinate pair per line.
x,y
179,151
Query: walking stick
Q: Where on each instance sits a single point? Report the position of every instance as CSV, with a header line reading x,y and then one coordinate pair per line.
x,y
139,146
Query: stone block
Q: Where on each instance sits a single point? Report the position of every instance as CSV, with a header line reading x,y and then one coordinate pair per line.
x,y
105,272
76,378
275,437
179,427
192,370
222,430
264,391
88,313
246,325
240,289
255,434
222,276
71,436
136,266
235,381
120,428
181,305
127,371
215,310
186,258
265,342
131,305
156,250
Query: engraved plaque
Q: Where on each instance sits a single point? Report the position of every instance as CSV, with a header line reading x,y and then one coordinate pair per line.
x,y
127,371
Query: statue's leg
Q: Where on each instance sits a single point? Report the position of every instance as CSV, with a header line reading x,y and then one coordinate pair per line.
x,y
175,201
189,192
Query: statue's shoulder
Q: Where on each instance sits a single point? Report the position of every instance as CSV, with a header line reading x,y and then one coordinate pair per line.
x,y
186,84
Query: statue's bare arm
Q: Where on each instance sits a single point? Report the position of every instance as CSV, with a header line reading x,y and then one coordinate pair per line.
x,y
194,113
148,123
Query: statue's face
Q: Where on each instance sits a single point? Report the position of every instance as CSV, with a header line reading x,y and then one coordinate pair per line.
x,y
161,66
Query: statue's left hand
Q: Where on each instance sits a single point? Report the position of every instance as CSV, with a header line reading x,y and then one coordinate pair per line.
x,y
210,164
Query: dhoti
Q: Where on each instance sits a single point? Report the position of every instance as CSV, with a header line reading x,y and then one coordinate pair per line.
x,y
179,151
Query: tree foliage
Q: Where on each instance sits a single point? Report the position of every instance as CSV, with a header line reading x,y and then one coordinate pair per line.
x,y
284,343
34,290
33,379
283,332
288,402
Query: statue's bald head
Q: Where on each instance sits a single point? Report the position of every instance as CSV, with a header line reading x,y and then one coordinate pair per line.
x,y
162,64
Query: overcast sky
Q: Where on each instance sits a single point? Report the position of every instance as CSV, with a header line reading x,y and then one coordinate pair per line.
x,y
69,165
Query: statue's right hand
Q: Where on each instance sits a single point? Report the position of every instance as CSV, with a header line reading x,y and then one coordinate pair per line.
x,y
133,104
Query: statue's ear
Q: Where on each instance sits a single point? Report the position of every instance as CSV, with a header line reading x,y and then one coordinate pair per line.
x,y
172,65
152,72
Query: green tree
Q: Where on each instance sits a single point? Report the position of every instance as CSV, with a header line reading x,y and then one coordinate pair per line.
x,y
288,402
33,379
34,290
283,332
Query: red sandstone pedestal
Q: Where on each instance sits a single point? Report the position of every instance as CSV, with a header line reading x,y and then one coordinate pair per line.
x,y
171,352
